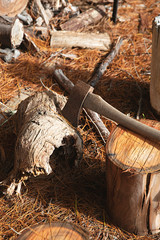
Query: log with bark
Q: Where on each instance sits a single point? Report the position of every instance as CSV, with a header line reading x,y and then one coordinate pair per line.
x,y
56,230
133,176
12,7
71,39
43,135
91,16
11,35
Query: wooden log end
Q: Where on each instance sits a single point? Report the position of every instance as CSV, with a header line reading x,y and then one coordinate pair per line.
x,y
132,152
12,8
133,175
17,33
57,230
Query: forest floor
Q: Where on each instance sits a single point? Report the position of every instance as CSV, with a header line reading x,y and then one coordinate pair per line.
x,y
78,195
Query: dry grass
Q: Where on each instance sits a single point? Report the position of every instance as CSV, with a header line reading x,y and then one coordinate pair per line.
x,y
78,194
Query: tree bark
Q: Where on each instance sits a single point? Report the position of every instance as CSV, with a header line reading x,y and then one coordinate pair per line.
x,y
43,137
84,40
91,16
155,67
132,174
11,35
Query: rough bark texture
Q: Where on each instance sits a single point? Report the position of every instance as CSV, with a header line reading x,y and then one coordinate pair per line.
x,y
41,129
57,230
91,16
43,135
12,7
132,173
155,66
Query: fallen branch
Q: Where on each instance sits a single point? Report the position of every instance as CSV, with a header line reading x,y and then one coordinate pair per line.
x,y
94,117
91,16
97,74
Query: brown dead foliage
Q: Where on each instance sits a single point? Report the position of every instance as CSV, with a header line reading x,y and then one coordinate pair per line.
x,y
78,194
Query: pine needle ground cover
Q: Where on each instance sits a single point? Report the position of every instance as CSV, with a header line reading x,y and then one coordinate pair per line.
x,y
77,195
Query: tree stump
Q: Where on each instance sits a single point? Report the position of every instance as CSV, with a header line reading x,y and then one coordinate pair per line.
x,y
55,231
133,177
12,7
155,66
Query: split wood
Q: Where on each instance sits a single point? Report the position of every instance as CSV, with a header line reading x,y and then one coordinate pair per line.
x,y
43,12
71,39
11,35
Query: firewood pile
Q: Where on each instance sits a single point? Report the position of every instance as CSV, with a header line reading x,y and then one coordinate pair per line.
x,y
51,174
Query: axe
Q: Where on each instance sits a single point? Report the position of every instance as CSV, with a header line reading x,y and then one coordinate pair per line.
x,y
82,96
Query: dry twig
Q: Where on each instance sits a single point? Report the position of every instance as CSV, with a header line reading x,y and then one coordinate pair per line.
x,y
97,74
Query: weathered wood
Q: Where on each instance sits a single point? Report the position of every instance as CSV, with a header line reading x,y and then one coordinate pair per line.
x,y
11,35
43,12
132,174
71,39
41,130
12,7
155,67
57,230
91,16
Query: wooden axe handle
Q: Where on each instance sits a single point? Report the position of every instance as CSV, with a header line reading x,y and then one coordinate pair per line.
x,y
97,104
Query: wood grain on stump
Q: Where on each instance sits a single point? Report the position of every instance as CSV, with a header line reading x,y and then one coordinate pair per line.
x,y
56,231
12,7
133,177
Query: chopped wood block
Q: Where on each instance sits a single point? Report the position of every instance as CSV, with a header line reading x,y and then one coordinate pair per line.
x,y
55,231
11,35
69,39
132,173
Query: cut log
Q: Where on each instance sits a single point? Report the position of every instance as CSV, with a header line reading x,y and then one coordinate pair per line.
x,y
91,16
57,230
43,136
69,39
11,35
12,7
132,174
155,67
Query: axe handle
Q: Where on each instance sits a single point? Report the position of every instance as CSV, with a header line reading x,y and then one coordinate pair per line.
x,y
97,104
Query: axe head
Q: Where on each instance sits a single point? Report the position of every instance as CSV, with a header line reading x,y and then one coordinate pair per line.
x,y
72,109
